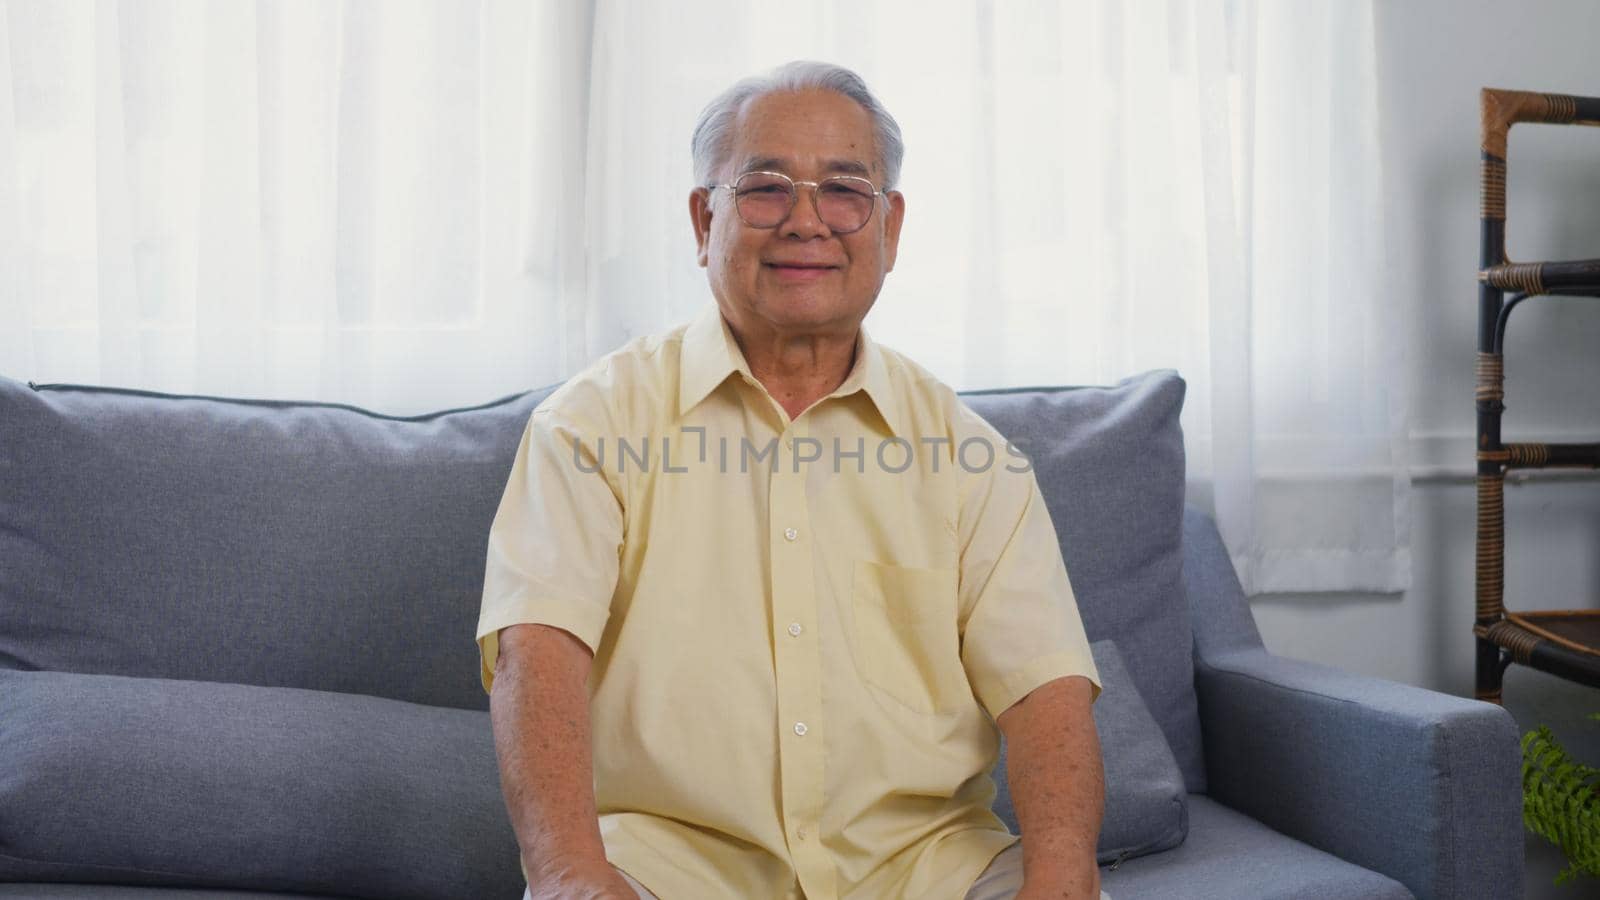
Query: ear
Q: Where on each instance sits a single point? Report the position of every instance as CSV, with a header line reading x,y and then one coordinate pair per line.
x,y
700,214
891,227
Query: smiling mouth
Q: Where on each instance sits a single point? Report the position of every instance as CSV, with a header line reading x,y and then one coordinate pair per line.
x,y
799,272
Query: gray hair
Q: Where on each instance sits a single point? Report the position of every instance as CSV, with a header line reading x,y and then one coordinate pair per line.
x,y
713,134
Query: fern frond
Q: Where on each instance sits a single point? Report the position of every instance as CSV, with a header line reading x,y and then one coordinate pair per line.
x,y
1561,802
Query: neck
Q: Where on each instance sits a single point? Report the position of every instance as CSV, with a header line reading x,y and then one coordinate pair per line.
x,y
797,369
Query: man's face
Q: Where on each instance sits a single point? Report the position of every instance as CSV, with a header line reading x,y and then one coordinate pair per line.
x,y
800,277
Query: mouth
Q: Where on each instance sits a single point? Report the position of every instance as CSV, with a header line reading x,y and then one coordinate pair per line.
x,y
800,271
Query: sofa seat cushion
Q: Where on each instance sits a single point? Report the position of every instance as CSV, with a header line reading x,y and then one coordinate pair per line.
x,y
1228,855
40,891
1110,464
136,781
314,545
1146,807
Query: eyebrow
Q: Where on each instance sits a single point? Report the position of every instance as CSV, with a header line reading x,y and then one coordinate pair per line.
x,y
773,164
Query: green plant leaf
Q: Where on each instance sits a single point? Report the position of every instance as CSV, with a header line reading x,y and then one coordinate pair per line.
x,y
1561,801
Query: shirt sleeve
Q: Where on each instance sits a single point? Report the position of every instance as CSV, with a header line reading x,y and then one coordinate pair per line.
x,y
1020,626
554,547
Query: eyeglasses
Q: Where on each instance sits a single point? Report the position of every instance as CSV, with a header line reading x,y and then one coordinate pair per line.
x,y
764,199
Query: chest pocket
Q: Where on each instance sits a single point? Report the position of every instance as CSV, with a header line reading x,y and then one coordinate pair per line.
x,y
906,640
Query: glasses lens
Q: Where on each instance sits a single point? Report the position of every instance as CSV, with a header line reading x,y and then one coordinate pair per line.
x,y
763,200
844,203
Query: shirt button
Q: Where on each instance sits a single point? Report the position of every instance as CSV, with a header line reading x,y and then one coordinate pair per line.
x,y
789,534
795,629
800,728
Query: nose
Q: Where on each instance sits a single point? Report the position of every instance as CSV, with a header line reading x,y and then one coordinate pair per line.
x,y
803,221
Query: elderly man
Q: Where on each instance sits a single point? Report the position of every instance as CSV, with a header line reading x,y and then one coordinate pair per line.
x,y
762,595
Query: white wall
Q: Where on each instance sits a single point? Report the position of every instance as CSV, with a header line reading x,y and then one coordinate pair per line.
x,y
1433,56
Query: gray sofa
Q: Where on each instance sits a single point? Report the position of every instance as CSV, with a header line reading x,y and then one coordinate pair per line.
x,y
237,660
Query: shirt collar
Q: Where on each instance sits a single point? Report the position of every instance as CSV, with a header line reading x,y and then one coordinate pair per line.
x,y
710,355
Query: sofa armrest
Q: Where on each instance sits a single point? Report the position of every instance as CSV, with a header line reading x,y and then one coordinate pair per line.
x,y
1417,785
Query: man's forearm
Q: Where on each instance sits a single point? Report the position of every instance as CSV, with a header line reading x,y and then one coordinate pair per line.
x,y
1057,783
539,707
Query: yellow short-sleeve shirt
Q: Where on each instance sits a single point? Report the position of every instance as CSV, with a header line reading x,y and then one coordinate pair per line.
x,y
802,630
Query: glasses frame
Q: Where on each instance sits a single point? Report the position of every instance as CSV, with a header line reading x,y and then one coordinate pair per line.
x,y
794,197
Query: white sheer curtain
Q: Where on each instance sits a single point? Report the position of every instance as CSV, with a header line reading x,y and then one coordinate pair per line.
x,y
410,205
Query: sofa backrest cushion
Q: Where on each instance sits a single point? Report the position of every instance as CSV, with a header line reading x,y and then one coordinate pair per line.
x,y
267,543
1110,464
1146,808
322,546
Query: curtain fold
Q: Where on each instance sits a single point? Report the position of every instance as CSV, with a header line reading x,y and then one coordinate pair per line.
x,y
419,204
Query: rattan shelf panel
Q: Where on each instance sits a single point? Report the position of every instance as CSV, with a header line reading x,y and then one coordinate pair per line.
x,y
1531,643
1577,630
1579,275
1544,456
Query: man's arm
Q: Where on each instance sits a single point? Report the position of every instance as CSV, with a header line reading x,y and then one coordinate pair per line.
x,y
1057,787
539,706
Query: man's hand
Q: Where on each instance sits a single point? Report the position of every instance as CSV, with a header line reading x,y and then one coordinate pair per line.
x,y
586,881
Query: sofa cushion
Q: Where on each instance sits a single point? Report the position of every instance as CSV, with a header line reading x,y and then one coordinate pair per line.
x,y
1146,808
1110,464
140,781
288,544
1229,855
36,891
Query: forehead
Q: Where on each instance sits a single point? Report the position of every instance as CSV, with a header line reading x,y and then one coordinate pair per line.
x,y
806,131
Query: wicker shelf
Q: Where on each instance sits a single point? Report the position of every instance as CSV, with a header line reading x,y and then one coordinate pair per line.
x,y
1565,643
